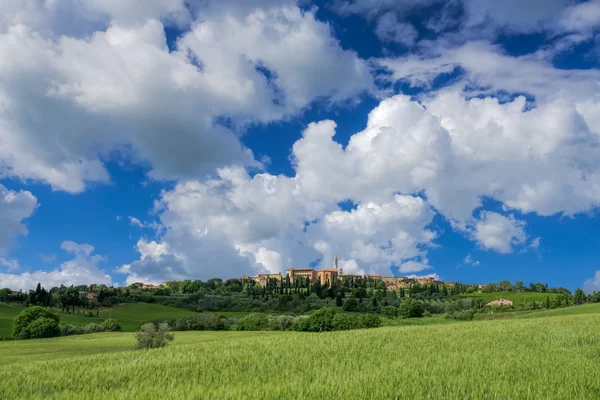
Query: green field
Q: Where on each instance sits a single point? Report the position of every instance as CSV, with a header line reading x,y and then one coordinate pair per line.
x,y
517,298
555,357
9,312
132,315
129,315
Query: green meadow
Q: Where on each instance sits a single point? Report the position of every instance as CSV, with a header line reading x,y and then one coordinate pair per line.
x,y
552,356
9,312
130,315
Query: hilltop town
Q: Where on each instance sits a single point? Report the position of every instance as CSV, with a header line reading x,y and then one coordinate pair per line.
x,y
330,276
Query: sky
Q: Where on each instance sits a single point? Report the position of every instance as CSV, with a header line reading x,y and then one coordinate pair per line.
x,y
171,139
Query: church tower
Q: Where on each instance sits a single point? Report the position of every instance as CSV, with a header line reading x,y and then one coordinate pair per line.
x,y
336,266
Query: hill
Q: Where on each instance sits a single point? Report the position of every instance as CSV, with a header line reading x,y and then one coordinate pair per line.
x,y
551,358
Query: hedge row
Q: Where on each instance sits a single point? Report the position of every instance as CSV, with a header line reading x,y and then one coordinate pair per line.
x,y
325,319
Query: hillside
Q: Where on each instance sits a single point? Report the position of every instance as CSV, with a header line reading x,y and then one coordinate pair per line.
x,y
518,298
553,357
130,315
8,313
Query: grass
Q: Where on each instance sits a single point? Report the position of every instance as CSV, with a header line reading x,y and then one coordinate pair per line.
x,y
555,357
573,310
517,298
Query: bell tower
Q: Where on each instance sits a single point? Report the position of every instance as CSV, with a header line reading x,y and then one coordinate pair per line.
x,y
336,266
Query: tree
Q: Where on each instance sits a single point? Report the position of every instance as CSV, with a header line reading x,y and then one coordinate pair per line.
x,y
321,320
110,325
519,285
151,336
36,322
411,308
338,300
351,304
579,296
389,312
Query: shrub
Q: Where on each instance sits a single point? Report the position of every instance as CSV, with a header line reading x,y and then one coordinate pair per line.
x,y
29,316
152,336
351,304
69,330
389,312
321,320
411,308
92,328
452,307
370,321
253,322
41,328
300,323
344,322
464,315
281,322
426,314
111,325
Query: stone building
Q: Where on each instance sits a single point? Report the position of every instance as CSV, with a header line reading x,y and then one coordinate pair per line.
x,y
499,303
294,273
264,278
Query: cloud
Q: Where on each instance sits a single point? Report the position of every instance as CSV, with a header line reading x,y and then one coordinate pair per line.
x,y
135,222
494,231
238,224
530,16
372,8
10,264
82,269
451,150
413,266
469,260
389,29
68,103
593,284
14,208
48,258
535,243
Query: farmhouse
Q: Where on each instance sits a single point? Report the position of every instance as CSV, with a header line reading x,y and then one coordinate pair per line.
x,y
91,296
149,286
500,302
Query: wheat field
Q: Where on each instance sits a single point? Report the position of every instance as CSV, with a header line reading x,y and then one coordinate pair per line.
x,y
543,358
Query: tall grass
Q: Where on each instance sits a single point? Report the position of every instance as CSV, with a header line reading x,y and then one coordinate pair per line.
x,y
543,358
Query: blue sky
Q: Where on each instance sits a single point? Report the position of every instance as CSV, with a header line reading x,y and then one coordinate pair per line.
x,y
202,139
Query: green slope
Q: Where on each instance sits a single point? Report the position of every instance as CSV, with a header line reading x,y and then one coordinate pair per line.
x,y
583,309
542,358
518,298
130,315
8,313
